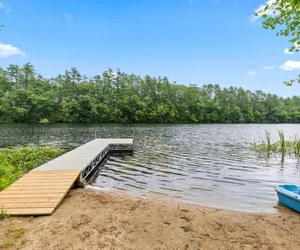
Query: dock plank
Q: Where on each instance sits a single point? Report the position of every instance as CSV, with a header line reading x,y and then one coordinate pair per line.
x,y
28,200
28,205
29,187
16,196
45,179
29,211
38,184
50,177
53,172
35,191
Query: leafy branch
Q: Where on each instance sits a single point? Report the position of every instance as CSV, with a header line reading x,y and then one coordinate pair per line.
x,y
285,15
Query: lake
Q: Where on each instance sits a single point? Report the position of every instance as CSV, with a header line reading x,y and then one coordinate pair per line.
x,y
210,165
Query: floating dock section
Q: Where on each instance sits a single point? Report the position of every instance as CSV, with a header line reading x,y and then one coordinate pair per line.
x,y
40,191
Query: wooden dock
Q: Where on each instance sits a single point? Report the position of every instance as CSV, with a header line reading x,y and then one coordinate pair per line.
x,y
40,191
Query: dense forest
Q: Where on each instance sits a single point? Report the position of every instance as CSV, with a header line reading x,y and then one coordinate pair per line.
x,y
114,96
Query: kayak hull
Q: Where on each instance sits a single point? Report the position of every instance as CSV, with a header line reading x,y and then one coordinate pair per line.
x,y
289,195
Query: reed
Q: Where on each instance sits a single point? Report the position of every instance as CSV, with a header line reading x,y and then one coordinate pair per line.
x,y
297,146
282,141
281,147
268,138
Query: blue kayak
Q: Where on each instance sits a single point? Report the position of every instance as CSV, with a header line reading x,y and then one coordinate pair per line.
x,y
289,195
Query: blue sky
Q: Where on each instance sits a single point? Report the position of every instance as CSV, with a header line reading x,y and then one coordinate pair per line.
x,y
198,42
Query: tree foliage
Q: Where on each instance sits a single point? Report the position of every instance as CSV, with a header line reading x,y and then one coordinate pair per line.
x,y
284,15
114,96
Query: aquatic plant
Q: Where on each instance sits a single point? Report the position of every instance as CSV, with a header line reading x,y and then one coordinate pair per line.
x,y
16,162
297,146
281,147
268,138
282,141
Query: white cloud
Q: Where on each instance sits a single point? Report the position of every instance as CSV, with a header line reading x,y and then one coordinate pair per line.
x,y
268,67
7,50
287,51
251,73
260,10
7,9
290,65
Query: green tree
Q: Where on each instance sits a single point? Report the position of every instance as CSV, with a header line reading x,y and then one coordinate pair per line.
x,y
285,15
114,96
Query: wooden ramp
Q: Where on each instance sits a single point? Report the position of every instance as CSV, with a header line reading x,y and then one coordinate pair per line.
x,y
38,192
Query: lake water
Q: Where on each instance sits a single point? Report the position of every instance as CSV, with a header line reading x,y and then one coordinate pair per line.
x,y
211,165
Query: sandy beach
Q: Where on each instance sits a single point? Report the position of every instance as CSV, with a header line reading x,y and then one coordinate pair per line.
x,y
102,220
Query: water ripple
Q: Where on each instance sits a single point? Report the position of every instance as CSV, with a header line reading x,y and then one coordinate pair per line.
x,y
204,165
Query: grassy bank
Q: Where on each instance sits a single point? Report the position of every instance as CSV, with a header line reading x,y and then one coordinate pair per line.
x,y
282,147
16,162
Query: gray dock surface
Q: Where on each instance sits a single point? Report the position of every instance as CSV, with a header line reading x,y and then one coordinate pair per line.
x,y
82,156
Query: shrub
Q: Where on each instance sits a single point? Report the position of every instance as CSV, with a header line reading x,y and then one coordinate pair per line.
x,y
44,121
16,162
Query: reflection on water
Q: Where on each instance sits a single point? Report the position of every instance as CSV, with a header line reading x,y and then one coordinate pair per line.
x,y
205,164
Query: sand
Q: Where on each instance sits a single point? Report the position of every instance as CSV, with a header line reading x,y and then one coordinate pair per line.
x,y
102,220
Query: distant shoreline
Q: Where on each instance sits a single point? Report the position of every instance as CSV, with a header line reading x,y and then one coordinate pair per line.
x,y
119,97
134,124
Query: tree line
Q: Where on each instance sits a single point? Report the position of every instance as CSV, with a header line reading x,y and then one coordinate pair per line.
x,y
117,97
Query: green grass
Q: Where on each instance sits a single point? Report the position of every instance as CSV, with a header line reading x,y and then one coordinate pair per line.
x,y
19,233
16,162
21,243
282,147
3,214
15,238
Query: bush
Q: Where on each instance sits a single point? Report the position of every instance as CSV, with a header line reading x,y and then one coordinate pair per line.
x,y
16,162
44,121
